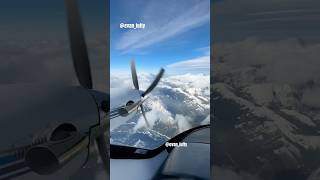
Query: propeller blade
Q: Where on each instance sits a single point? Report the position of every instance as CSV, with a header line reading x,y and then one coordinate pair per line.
x,y
104,151
78,45
134,75
154,83
144,115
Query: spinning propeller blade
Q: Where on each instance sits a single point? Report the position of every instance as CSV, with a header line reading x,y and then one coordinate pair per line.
x,y
78,45
134,75
144,115
154,83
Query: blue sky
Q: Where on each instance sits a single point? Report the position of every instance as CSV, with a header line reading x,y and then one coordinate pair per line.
x,y
176,36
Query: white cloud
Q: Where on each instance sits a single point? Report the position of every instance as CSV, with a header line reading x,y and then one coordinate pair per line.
x,y
190,82
199,64
183,122
206,120
164,20
204,50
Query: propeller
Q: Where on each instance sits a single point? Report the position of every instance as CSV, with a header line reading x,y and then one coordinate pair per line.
x,y
82,68
78,45
144,115
154,83
134,75
148,90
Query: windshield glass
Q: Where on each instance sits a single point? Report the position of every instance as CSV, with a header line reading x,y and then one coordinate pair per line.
x,y
173,35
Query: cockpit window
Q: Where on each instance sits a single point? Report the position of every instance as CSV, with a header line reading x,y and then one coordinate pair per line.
x,y
173,35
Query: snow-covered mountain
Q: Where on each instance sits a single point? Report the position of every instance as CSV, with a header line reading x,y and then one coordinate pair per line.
x,y
178,103
268,128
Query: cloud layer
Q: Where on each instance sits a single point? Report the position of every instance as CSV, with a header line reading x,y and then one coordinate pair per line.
x,y
199,64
